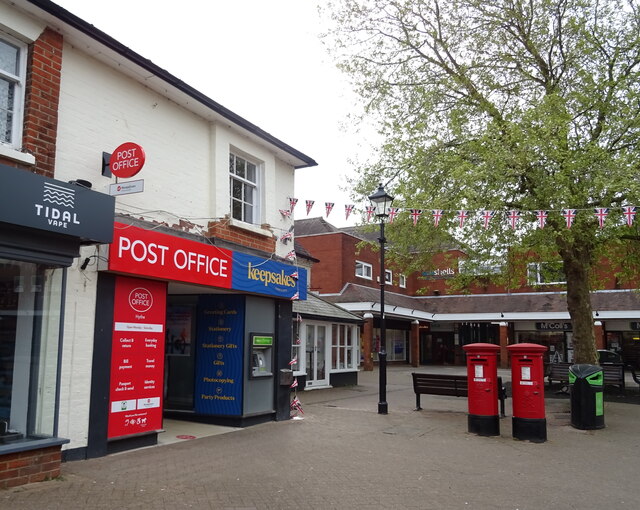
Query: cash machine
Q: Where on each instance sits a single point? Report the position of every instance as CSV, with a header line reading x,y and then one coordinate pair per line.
x,y
261,352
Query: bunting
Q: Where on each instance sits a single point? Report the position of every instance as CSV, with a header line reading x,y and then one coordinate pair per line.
x,y
437,214
462,216
415,215
370,209
542,218
513,218
286,237
309,205
569,216
294,275
295,297
348,209
328,207
393,213
291,255
629,214
486,217
292,203
294,384
286,213
293,361
601,214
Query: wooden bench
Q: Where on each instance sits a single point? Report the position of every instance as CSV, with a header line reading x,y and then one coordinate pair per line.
x,y
451,385
613,373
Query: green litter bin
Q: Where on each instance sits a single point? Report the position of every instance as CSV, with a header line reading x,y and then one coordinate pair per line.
x,y
586,383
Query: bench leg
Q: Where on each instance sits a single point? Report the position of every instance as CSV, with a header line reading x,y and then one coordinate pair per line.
x,y
418,408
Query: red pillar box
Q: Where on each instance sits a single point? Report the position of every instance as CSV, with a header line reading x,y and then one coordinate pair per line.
x,y
482,381
527,388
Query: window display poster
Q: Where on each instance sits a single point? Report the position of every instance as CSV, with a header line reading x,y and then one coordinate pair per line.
x,y
137,356
219,355
179,319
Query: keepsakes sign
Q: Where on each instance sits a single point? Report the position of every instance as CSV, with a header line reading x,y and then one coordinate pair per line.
x,y
35,201
145,252
137,356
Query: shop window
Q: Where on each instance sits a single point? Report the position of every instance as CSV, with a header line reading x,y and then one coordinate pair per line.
x,y
344,346
244,179
12,79
546,273
30,317
364,270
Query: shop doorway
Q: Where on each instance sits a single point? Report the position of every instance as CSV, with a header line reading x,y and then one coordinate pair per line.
x,y
179,377
315,345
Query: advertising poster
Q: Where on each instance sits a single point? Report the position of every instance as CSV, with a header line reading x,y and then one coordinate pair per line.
x,y
220,347
137,357
179,322
253,274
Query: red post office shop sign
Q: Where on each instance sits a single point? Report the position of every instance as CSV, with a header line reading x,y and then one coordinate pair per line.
x,y
145,252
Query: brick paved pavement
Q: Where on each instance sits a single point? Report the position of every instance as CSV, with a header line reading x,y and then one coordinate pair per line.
x,y
344,455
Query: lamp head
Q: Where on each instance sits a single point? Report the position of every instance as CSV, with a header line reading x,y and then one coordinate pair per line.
x,y
382,201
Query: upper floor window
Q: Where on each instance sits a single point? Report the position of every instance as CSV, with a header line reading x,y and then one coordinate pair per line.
x,y
402,281
12,79
471,267
364,270
546,273
244,184
388,277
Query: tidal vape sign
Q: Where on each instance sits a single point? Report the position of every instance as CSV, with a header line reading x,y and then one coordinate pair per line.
x,y
34,201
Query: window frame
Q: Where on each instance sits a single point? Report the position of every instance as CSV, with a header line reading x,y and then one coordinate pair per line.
x,y
402,281
19,81
364,265
388,277
256,185
535,274
345,347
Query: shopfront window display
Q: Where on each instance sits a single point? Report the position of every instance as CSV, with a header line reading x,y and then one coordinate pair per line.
x,y
30,317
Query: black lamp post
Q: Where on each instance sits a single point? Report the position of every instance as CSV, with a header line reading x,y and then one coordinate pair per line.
x,y
382,202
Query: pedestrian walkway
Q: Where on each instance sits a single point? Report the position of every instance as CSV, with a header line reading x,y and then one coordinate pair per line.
x,y
342,454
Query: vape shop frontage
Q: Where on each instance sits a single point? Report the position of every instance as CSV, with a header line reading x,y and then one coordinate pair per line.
x,y
43,224
192,331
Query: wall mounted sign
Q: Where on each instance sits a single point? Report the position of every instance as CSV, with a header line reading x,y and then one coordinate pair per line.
x,y
220,345
126,188
143,252
127,160
35,201
553,326
137,356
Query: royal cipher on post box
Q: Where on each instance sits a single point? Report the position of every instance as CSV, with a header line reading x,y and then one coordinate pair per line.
x,y
482,381
527,391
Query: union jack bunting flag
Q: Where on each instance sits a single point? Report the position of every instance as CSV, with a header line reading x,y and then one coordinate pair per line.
x,y
298,341
298,318
370,209
294,275
348,209
285,213
542,218
393,213
296,405
437,214
462,216
415,215
287,236
294,384
486,217
292,203
291,255
513,218
293,361
295,297
569,216
629,214
601,213
329,207
309,205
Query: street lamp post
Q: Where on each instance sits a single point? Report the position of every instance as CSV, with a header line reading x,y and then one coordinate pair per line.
x,y
382,202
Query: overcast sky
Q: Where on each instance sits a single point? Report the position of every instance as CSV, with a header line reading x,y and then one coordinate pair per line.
x,y
260,58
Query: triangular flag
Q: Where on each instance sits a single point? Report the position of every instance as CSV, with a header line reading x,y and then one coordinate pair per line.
x,y
328,207
629,213
286,237
462,216
542,218
601,214
437,215
295,297
285,213
370,209
348,209
294,384
309,206
486,217
569,216
291,255
293,361
415,215
393,213
513,218
292,203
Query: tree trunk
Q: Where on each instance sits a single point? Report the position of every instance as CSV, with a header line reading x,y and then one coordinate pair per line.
x,y
577,264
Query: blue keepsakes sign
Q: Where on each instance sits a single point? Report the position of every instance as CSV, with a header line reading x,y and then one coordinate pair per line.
x,y
262,276
220,347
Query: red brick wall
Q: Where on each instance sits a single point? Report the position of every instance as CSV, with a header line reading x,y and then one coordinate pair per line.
x,y
31,466
222,230
326,275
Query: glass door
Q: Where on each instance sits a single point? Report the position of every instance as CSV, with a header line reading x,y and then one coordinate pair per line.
x,y
315,343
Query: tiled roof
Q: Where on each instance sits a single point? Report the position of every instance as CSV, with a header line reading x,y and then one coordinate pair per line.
x,y
315,306
313,226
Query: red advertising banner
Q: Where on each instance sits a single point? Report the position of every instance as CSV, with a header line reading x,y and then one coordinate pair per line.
x,y
146,252
137,356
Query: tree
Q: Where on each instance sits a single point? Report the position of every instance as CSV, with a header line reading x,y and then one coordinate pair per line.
x,y
509,105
